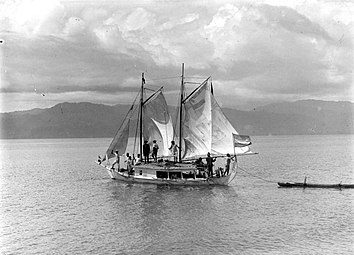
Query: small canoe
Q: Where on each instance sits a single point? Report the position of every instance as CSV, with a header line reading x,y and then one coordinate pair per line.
x,y
312,185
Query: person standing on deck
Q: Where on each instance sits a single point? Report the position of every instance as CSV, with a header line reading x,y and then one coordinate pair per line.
x,y
155,148
116,162
210,161
129,164
173,149
126,159
227,164
146,152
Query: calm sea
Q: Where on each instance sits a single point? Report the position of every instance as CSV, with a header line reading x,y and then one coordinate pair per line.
x,y
56,200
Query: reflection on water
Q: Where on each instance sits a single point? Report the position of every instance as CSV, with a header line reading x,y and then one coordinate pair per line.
x,y
54,199
171,217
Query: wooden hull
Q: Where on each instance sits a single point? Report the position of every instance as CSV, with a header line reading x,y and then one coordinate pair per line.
x,y
124,176
312,185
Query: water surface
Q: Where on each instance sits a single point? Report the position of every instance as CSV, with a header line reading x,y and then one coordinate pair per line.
x,y
56,200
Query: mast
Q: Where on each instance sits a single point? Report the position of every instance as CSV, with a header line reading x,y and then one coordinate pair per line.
x,y
141,113
180,117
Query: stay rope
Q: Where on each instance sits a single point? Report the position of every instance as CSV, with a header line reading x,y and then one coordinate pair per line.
x,y
256,176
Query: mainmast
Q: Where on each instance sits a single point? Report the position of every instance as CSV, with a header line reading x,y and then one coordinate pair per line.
x,y
141,114
180,117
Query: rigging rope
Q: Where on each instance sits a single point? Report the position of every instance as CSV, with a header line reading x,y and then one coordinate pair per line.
x,y
243,170
166,78
121,125
195,77
234,175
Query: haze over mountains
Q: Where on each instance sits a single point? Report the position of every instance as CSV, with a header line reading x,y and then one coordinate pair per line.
x,y
80,120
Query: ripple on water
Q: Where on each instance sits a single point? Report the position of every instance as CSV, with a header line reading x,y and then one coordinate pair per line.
x,y
63,203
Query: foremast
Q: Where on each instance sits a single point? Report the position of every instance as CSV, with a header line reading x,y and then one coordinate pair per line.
x,y
141,114
180,117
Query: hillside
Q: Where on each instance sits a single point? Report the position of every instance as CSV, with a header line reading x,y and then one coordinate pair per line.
x,y
65,120
78,120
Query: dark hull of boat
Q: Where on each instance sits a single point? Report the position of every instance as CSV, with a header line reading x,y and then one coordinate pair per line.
x,y
311,185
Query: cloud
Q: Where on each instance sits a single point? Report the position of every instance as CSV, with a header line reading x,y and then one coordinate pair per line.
x,y
292,21
137,20
74,26
33,17
54,65
281,54
259,50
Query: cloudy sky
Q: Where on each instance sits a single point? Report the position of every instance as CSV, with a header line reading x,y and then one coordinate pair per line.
x,y
257,52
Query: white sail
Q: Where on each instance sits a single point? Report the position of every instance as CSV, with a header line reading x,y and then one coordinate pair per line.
x,y
197,124
166,131
205,127
157,125
121,139
158,122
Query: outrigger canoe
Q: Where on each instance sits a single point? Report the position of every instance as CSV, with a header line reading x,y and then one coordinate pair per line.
x,y
312,185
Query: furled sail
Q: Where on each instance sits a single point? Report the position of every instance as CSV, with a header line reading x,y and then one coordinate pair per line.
x,y
158,122
205,127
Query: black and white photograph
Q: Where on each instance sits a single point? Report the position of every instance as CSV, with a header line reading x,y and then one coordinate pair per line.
x,y
177,127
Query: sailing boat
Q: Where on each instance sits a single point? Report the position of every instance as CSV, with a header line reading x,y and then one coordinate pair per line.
x,y
202,130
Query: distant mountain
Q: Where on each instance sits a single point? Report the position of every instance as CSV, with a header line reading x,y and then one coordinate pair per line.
x,y
313,117
65,120
79,120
